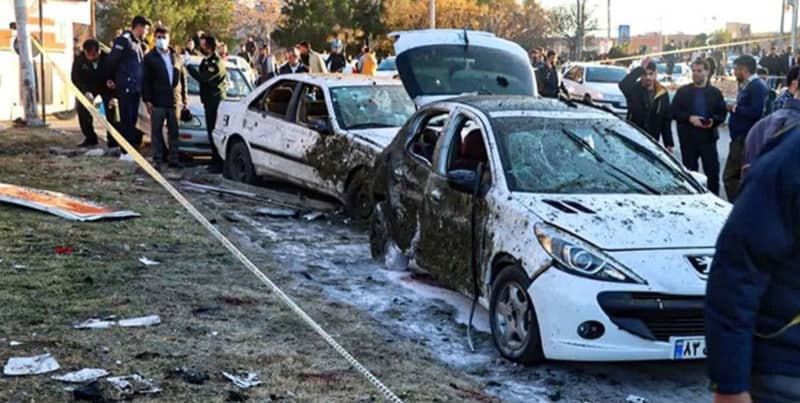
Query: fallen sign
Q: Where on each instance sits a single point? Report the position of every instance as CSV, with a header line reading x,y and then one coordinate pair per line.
x,y
40,364
59,204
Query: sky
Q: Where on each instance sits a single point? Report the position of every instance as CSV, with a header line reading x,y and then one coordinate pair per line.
x,y
686,16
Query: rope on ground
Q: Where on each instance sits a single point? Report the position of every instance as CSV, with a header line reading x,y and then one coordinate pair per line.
x,y
387,393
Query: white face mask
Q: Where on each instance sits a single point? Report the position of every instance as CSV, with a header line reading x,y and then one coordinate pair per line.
x,y
162,43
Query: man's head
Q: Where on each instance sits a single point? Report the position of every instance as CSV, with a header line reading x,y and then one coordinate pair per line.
x,y
762,73
773,50
139,26
336,46
292,56
743,67
189,45
263,50
208,44
649,75
551,56
162,38
793,81
304,47
699,72
536,57
789,50
91,49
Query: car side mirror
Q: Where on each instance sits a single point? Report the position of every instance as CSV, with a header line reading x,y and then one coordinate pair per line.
x,y
462,180
322,126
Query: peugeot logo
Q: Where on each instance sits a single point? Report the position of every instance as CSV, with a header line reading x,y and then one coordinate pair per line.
x,y
701,264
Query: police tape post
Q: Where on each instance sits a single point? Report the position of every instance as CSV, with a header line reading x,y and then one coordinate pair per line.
x,y
186,204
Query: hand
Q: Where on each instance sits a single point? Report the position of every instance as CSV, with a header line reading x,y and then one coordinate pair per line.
x,y
731,107
696,121
110,84
709,123
645,61
671,149
738,398
149,106
185,106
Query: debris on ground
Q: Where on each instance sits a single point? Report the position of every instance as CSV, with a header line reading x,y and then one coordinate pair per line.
x,y
65,152
40,364
107,322
148,262
635,399
277,212
237,396
96,152
116,388
191,375
59,204
81,376
243,379
313,216
13,343
64,250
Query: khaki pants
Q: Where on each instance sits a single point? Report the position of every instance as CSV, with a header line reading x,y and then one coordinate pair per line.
x,y
732,176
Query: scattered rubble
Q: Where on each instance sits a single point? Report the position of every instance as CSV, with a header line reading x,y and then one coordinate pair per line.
x,y
95,323
635,399
277,212
148,262
243,380
40,364
81,376
116,388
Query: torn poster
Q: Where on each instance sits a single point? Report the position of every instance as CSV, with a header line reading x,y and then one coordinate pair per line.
x,y
59,204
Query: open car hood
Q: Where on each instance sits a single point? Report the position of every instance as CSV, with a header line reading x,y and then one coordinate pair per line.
x,y
626,222
442,63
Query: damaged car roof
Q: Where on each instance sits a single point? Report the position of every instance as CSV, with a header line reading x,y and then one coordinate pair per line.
x,y
341,79
491,104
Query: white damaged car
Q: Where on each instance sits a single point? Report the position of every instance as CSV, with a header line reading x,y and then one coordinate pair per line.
x,y
320,132
584,239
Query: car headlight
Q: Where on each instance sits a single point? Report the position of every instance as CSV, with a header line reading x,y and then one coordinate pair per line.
x,y
577,257
195,123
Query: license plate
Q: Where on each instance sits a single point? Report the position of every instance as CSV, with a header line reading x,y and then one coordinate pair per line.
x,y
688,348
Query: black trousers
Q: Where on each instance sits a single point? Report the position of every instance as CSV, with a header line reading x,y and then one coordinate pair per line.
x,y
164,151
211,106
86,122
705,150
129,114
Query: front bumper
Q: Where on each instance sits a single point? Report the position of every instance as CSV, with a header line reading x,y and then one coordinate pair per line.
x,y
636,329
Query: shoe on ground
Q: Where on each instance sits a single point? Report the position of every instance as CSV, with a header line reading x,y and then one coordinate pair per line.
x,y
114,152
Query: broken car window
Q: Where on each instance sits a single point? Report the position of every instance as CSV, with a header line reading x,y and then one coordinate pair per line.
x,y
371,106
311,106
423,144
544,156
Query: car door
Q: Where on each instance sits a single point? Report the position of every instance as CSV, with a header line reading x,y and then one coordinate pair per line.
x,y
266,124
409,168
317,149
445,244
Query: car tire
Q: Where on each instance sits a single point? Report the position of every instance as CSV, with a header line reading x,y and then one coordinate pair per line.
x,y
238,165
358,200
382,246
515,329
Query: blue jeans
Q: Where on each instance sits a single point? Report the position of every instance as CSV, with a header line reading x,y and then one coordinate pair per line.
x,y
775,389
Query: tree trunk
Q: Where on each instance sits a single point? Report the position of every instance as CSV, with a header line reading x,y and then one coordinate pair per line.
x,y
27,74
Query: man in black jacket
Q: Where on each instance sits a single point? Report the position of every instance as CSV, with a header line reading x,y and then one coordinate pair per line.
x,y
213,79
699,108
88,74
164,91
293,64
648,102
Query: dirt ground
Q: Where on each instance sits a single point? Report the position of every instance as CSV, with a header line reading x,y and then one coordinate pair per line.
x,y
215,315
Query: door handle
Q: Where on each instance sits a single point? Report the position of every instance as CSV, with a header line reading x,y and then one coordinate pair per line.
x,y
436,195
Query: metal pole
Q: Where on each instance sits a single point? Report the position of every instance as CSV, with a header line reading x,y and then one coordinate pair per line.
x,y
41,63
93,6
432,14
794,24
783,15
27,74
608,20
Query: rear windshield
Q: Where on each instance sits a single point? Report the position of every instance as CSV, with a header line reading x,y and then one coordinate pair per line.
x,y
604,75
387,65
460,69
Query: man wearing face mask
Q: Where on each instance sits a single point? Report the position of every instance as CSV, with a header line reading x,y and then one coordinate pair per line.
x,y
212,77
125,70
164,92
89,76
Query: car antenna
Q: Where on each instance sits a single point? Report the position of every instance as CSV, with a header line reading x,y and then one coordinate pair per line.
x,y
474,224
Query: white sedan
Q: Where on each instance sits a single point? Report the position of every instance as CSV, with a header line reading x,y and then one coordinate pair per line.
x,y
321,132
598,84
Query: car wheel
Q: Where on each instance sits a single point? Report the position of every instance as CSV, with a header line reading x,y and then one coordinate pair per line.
x,y
238,165
382,246
515,330
358,197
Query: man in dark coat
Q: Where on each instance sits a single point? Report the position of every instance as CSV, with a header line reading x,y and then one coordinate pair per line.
x,y
213,79
648,102
293,64
699,108
89,75
164,92
548,76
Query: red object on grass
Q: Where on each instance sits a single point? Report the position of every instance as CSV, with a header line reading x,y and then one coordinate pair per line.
x,y
64,250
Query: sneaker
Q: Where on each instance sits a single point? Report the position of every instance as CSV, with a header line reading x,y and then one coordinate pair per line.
x,y
114,152
126,158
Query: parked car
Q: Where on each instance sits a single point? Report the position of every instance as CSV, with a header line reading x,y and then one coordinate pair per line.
x,y
387,68
590,241
244,66
681,74
597,83
192,135
321,132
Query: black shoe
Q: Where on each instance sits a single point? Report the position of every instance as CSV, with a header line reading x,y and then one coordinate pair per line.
x,y
214,169
157,165
87,144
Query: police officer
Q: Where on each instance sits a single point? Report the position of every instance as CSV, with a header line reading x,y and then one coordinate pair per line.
x,y
125,70
88,74
212,77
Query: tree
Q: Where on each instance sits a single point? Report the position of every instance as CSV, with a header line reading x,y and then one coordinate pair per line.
x,y
720,37
183,17
527,23
413,14
572,23
26,64
257,18
699,40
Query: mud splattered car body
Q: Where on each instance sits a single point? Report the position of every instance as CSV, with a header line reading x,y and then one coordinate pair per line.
x,y
591,242
321,132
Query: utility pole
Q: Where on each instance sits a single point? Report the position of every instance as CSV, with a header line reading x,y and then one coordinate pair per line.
x,y
608,20
27,74
432,13
42,97
579,39
783,14
794,24
93,12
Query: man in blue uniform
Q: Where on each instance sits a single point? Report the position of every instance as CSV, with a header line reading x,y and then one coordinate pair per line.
x,y
125,70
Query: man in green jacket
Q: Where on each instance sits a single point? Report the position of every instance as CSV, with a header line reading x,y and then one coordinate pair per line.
x,y
212,77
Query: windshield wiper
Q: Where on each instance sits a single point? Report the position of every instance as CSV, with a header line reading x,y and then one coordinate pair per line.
x,y
369,125
578,139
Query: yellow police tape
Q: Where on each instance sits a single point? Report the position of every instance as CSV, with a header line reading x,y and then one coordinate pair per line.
x,y
793,322
139,159
696,48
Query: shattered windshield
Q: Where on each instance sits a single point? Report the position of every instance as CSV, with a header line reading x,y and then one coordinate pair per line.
x,y
584,156
371,106
604,75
